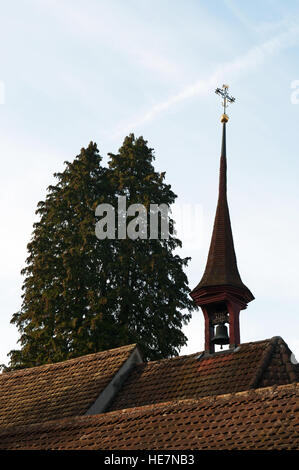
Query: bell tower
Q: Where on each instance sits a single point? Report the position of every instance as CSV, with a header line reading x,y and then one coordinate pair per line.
x,y
221,293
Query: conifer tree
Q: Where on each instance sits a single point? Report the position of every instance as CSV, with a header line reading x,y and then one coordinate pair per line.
x,y
65,279
150,283
81,294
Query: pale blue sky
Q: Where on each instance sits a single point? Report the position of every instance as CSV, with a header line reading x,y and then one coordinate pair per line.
x,y
76,71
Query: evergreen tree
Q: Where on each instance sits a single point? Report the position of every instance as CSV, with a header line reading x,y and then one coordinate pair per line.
x,y
82,294
65,283
151,288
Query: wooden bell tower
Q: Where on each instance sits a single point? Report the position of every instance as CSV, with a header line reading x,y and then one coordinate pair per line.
x,y
221,293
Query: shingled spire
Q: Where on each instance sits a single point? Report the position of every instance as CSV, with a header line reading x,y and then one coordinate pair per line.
x,y
221,267
221,293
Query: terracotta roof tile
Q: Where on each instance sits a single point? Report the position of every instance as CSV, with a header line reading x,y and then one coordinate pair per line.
x,y
57,390
265,418
252,365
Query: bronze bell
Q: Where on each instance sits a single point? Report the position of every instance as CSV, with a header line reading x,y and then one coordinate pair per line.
x,y
221,335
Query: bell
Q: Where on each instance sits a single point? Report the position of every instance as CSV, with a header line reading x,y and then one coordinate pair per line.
x,y
221,335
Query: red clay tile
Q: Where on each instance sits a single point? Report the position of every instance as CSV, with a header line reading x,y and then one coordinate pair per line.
x,y
175,425
57,390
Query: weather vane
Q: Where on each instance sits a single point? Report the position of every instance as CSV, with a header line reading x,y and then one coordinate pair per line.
x,y
226,99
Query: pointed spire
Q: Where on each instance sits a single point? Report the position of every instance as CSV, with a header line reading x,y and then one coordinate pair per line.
x,y
221,267
221,293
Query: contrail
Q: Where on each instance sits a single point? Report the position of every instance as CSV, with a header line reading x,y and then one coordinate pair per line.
x,y
232,70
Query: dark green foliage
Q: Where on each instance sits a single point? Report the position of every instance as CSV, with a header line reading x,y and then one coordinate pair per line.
x,y
151,286
83,295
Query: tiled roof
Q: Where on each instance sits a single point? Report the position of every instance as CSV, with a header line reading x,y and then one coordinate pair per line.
x,y
266,418
57,390
252,365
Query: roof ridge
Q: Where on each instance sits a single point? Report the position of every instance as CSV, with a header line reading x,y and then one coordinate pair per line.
x,y
66,363
199,353
19,429
86,357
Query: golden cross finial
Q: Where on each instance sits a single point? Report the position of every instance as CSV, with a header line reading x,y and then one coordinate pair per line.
x,y
226,99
